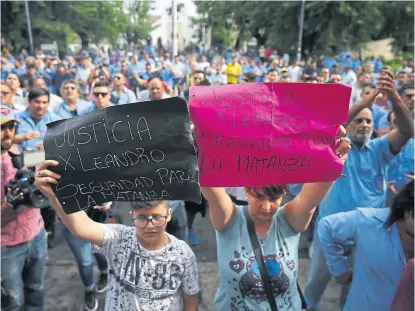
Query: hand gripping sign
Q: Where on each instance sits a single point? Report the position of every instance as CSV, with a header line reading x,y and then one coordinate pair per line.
x,y
268,133
135,152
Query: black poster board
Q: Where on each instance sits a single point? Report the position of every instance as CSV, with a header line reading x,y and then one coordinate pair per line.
x,y
135,152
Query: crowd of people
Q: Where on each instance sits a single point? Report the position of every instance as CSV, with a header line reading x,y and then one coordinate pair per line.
x,y
359,228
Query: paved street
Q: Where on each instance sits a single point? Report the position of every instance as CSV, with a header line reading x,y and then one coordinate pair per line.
x,y
64,290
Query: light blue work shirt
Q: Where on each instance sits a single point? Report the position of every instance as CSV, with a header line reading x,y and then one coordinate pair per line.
x,y
63,111
126,97
379,116
93,107
365,180
27,124
240,285
378,256
402,164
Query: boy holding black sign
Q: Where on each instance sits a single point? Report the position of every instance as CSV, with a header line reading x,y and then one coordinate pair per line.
x,y
149,269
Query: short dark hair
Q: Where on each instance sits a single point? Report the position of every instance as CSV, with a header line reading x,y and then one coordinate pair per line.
x,y
402,204
198,71
30,66
36,92
407,87
13,73
102,83
271,70
148,64
148,204
273,192
155,75
250,77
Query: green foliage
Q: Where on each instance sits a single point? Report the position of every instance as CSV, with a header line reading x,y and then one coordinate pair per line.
x,y
329,26
64,21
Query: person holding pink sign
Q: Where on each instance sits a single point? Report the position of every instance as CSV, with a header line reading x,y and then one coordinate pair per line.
x,y
244,284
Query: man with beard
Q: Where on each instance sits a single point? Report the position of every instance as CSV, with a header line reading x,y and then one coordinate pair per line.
x,y
72,106
365,175
23,238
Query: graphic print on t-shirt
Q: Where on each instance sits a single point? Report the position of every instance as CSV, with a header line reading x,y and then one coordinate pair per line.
x,y
162,278
250,283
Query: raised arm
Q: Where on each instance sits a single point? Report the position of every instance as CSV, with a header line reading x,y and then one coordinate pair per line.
x,y
79,224
365,102
404,122
300,210
221,208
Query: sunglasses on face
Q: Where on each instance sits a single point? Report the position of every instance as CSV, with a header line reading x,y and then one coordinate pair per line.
x,y
103,94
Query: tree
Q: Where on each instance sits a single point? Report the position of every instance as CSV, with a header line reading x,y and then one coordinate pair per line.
x,y
63,21
329,26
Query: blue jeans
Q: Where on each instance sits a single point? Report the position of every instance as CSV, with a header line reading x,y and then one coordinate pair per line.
x,y
82,250
23,265
318,278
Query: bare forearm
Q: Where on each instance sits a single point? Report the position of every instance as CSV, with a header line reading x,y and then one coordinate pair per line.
x,y
300,211
403,118
354,111
75,222
221,208
19,139
190,302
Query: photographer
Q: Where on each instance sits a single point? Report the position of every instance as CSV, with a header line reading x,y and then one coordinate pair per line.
x,y
23,238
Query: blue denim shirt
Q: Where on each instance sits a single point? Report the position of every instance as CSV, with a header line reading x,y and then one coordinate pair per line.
x,y
365,180
63,110
379,258
27,124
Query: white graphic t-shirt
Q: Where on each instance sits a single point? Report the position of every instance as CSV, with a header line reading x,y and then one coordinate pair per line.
x,y
142,280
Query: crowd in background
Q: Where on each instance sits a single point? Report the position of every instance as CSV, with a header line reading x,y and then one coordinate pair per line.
x,y
40,88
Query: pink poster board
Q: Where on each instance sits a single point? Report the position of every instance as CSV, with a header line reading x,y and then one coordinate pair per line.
x,y
267,133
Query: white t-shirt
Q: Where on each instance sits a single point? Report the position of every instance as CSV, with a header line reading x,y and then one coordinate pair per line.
x,y
142,280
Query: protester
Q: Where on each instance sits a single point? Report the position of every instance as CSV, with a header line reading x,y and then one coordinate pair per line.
x,y
54,100
364,184
34,119
233,71
404,297
82,75
18,99
72,106
164,268
278,228
102,95
382,241
60,76
7,96
23,237
121,95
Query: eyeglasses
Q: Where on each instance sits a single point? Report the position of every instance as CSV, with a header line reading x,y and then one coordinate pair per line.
x,y
103,94
156,221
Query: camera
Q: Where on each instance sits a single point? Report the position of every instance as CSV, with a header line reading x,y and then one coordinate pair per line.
x,y
25,182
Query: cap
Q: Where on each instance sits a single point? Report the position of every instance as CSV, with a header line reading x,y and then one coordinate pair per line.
x,y
7,115
284,69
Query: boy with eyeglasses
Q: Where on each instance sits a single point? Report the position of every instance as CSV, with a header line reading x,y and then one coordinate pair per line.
x,y
149,269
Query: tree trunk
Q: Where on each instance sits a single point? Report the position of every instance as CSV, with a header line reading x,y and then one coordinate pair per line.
x,y
84,40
